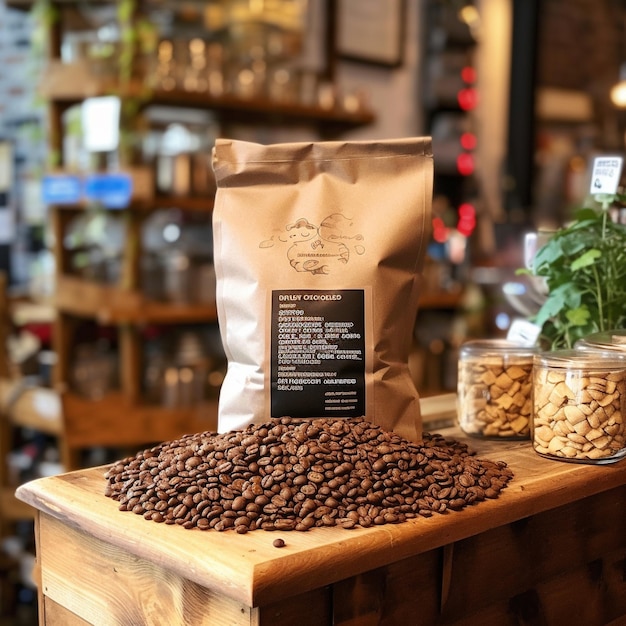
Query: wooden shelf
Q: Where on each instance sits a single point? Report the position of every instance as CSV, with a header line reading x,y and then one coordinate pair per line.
x,y
440,300
71,83
196,204
112,305
255,109
24,313
38,408
114,420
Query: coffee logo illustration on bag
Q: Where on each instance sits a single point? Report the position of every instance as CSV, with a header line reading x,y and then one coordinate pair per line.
x,y
322,249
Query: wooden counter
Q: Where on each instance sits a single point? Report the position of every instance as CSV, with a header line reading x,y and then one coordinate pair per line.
x,y
550,550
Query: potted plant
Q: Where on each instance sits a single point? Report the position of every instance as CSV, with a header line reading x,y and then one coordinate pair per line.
x,y
583,267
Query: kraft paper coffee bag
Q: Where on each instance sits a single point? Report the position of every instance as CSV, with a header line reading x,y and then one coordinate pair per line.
x,y
318,253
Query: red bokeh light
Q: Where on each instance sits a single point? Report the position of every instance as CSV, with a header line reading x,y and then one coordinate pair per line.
x,y
468,74
467,210
440,230
465,164
467,219
467,98
468,141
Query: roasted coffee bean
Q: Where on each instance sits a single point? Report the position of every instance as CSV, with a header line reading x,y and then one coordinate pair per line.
x,y
296,475
239,503
285,524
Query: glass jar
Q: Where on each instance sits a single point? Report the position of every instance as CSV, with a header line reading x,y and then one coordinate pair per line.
x,y
495,388
579,406
609,340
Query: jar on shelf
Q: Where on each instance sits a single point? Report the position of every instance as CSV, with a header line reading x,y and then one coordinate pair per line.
x,y
495,388
579,406
608,340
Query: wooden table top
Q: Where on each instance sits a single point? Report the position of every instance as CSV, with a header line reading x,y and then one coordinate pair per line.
x,y
248,568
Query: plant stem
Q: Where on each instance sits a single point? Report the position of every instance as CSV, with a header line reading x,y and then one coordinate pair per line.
x,y
599,297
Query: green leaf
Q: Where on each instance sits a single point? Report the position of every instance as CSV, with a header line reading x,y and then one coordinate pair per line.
x,y
547,255
551,307
578,317
586,259
125,10
576,241
560,299
586,213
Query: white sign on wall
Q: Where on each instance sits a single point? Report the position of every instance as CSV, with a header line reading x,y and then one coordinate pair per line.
x,y
101,122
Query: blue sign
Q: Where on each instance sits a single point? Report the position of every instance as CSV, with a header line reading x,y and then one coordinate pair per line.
x,y
112,190
61,189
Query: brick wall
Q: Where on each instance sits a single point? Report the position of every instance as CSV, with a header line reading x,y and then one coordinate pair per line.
x,y
581,43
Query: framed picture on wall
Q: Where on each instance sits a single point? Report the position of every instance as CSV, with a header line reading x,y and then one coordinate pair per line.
x,y
371,31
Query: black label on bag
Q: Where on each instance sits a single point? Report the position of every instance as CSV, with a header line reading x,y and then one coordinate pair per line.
x,y
318,353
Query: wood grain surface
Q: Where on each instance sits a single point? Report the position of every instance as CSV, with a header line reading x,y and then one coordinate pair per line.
x,y
248,569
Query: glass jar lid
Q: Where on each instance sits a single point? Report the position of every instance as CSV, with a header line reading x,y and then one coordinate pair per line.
x,y
581,359
612,340
496,347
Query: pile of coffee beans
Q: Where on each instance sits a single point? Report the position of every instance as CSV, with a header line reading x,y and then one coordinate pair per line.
x,y
295,475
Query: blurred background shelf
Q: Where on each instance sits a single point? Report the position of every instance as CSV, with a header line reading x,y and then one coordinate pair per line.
x,y
37,408
115,421
70,83
110,304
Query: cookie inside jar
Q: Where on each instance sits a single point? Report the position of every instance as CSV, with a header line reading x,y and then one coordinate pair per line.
x,y
579,406
495,388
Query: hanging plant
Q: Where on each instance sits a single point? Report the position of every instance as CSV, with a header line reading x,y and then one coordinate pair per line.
x,y
138,37
125,18
43,15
